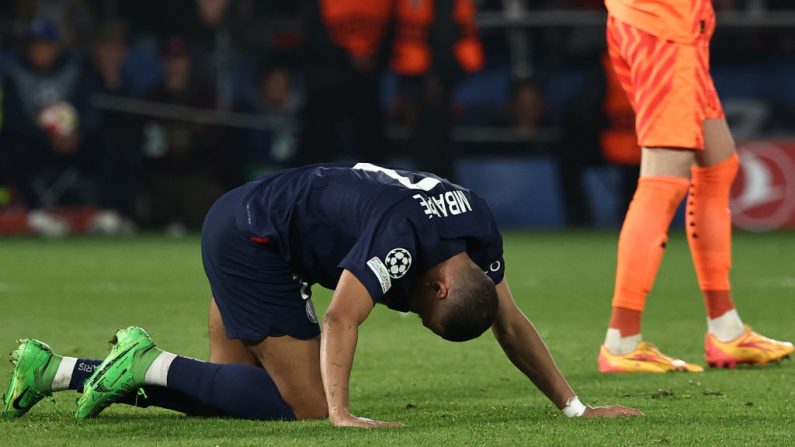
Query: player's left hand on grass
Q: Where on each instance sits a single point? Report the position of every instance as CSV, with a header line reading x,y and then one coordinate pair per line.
x,y
354,421
610,411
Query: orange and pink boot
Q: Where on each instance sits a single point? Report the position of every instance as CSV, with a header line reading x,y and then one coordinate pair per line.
x,y
749,348
646,358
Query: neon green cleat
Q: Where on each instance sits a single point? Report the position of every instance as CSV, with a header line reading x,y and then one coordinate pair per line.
x,y
122,372
32,360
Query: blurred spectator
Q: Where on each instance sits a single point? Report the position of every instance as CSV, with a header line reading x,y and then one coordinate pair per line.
x,y
583,120
49,129
267,150
72,17
345,55
436,45
267,28
121,136
186,166
617,138
526,108
598,126
208,27
211,41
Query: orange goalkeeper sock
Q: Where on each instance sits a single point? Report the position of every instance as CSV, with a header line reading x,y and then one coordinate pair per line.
x,y
642,242
709,232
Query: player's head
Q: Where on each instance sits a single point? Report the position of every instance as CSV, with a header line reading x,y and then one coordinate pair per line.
x,y
455,299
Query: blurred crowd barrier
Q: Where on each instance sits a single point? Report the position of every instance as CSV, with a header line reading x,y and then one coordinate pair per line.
x,y
119,116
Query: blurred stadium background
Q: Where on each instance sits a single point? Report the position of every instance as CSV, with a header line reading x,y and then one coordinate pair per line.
x,y
125,116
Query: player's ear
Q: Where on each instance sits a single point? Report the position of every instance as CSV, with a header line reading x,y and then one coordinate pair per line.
x,y
440,290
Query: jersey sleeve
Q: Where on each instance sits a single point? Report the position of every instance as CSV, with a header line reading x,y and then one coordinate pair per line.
x,y
495,269
486,250
384,258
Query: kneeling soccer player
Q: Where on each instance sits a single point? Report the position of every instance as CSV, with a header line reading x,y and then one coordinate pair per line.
x,y
409,240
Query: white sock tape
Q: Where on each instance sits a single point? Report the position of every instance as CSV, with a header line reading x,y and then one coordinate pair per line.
x,y
64,374
574,408
157,374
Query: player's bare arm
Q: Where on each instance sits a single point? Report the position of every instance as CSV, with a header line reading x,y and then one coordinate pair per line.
x,y
525,348
350,306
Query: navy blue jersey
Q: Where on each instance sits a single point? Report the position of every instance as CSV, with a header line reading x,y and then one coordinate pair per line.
x,y
385,226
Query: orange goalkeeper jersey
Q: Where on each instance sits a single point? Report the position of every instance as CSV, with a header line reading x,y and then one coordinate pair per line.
x,y
677,20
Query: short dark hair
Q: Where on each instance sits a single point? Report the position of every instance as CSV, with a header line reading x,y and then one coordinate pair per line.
x,y
473,306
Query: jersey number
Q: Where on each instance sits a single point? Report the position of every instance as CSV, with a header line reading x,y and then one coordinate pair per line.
x,y
426,184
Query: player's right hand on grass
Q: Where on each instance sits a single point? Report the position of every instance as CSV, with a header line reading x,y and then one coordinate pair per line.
x,y
610,411
350,420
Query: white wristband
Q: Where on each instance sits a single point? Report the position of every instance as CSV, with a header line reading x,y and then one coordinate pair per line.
x,y
574,408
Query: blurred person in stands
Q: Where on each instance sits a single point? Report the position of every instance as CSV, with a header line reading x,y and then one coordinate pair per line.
x,y
211,40
436,45
265,150
49,153
581,121
74,18
186,166
526,109
121,137
210,29
617,139
345,55
523,114
598,127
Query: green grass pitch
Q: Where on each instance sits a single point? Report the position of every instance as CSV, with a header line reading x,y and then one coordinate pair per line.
x,y
74,293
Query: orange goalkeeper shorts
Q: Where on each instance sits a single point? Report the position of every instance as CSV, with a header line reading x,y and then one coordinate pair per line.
x,y
668,84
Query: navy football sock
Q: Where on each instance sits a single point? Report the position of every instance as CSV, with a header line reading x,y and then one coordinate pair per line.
x,y
152,397
171,399
81,372
240,390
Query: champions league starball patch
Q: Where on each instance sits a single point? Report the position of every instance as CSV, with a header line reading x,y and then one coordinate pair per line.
x,y
398,262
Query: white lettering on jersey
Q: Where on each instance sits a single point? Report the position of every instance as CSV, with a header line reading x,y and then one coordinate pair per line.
x,y
462,199
381,273
450,203
426,184
438,201
427,205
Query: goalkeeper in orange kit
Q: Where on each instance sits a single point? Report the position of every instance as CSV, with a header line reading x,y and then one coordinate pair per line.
x,y
659,50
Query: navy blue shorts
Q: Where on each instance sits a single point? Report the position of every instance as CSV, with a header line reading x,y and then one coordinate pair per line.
x,y
254,287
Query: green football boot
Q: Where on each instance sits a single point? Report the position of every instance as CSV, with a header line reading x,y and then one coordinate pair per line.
x,y
34,368
121,373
